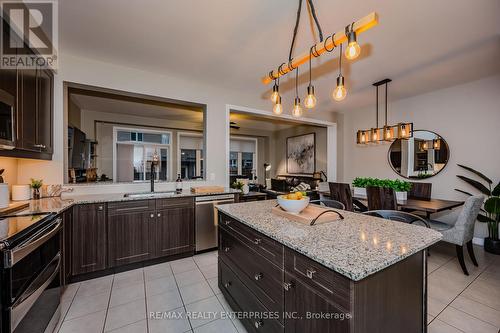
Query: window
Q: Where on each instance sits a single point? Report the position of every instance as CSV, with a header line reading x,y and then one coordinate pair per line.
x,y
190,155
243,157
134,153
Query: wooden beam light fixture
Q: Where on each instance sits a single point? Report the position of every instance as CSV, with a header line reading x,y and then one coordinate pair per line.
x,y
336,39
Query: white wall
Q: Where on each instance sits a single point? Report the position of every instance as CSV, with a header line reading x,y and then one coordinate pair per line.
x,y
90,72
466,116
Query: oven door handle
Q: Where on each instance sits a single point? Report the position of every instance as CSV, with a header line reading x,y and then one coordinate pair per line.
x,y
21,251
24,303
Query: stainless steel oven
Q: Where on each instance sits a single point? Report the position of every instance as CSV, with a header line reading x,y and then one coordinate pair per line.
x,y
7,116
31,274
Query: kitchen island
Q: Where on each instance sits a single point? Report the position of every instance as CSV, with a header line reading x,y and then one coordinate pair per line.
x,y
359,274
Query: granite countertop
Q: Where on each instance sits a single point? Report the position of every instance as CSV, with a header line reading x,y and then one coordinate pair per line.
x,y
355,247
58,204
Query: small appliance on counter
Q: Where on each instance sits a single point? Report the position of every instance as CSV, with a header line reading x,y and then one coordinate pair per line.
x,y
21,192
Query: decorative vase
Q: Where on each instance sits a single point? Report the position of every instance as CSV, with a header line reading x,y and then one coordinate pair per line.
x,y
492,245
4,195
36,193
401,196
245,189
360,192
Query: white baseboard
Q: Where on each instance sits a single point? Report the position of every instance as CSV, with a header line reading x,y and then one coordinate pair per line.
x,y
478,241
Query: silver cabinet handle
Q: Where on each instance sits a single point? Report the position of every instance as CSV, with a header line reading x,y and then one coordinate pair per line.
x,y
258,276
257,241
159,215
40,146
100,208
287,286
310,273
227,284
258,324
227,249
152,215
227,222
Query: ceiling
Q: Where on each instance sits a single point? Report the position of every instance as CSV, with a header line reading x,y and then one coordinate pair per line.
x,y
422,45
111,105
260,123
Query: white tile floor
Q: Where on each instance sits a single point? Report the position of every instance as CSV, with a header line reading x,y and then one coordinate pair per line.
x,y
121,303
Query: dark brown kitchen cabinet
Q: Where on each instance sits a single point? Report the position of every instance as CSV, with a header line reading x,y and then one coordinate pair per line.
x,y
32,90
67,217
319,312
130,227
88,238
174,231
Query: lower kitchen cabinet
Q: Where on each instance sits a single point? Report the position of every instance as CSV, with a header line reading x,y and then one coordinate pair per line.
x,y
130,227
88,238
174,231
67,218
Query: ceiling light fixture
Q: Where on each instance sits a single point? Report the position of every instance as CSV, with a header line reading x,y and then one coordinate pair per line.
x,y
297,109
339,93
348,34
310,100
352,50
387,132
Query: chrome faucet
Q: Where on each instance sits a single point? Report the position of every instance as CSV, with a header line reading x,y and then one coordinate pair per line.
x,y
154,163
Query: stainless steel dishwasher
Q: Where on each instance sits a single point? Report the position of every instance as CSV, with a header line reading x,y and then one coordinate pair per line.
x,y
206,219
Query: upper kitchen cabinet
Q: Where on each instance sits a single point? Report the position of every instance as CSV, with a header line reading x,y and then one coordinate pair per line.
x,y
32,91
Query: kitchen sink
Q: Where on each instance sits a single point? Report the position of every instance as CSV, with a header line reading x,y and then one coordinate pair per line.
x,y
150,194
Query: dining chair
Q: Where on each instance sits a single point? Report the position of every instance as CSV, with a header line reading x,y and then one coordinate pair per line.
x,y
381,198
462,231
329,203
396,215
420,191
342,192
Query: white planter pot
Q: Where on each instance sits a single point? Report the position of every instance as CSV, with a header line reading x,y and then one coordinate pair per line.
x,y
360,192
245,189
401,196
4,195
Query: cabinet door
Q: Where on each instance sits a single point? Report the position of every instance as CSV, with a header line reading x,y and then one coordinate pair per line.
x,y
28,110
303,302
174,231
67,217
129,237
89,238
44,140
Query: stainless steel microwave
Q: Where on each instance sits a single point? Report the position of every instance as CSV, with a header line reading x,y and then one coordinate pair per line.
x,y
7,117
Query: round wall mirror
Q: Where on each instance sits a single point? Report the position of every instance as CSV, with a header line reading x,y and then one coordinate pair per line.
x,y
422,156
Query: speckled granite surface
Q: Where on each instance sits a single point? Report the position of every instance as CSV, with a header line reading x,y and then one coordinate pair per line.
x,y
355,247
58,205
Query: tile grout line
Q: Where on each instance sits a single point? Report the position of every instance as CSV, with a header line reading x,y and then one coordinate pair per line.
x,y
449,304
146,298
62,319
109,302
180,295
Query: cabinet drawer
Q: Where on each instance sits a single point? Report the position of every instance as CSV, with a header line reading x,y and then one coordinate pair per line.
x,y
174,203
231,286
323,280
115,208
265,246
262,277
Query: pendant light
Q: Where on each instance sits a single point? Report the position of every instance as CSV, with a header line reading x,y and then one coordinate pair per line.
x,y
297,109
275,94
352,50
278,108
310,100
339,93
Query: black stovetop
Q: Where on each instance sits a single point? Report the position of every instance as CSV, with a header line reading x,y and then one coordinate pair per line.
x,y
16,228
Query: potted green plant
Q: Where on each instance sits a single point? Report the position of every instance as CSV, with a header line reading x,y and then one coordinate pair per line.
x,y
4,191
490,214
401,187
36,184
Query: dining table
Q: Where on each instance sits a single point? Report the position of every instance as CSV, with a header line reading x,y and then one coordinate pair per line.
x,y
427,206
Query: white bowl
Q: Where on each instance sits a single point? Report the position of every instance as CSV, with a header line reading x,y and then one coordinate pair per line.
x,y
293,206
